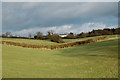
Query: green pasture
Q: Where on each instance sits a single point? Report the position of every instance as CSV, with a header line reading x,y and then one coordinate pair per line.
x,y
94,60
30,41
79,39
48,42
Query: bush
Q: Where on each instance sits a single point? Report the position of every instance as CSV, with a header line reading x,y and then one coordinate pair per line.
x,y
82,35
56,38
70,36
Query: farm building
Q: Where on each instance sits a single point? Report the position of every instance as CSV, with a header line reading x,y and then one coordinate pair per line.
x,y
63,35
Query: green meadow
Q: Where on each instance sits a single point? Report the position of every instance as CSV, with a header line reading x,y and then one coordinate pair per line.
x,y
48,42
30,41
80,39
94,60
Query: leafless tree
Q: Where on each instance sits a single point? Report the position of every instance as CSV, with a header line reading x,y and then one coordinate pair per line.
x,y
29,35
7,34
39,35
51,32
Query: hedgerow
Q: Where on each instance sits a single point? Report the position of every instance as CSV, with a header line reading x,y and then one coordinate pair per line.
x,y
57,46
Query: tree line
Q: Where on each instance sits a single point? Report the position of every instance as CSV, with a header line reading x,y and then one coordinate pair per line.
x,y
54,37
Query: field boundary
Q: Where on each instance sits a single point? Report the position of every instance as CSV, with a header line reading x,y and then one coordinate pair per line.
x,y
56,46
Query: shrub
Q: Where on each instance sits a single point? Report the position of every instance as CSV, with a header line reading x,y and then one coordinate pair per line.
x,y
82,35
70,36
38,35
56,38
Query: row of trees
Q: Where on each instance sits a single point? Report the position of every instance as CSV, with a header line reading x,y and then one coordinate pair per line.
x,y
7,34
56,38
51,35
99,32
37,35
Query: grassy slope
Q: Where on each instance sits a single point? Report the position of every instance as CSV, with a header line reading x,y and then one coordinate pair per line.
x,y
79,39
48,42
30,41
86,61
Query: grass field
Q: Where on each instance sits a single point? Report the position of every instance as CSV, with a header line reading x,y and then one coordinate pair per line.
x,y
30,41
48,42
79,39
95,60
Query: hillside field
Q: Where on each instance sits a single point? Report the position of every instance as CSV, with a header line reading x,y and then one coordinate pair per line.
x,y
94,60
48,42
30,41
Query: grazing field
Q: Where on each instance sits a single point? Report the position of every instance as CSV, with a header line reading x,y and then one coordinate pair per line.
x,y
30,41
94,60
79,39
48,42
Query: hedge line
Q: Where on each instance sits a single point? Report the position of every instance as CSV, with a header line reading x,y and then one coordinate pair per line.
x,y
58,46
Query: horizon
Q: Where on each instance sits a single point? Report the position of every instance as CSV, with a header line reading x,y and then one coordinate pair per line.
x,y
35,34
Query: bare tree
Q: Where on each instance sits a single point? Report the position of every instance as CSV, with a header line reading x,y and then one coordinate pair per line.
x,y
29,35
7,34
39,35
51,32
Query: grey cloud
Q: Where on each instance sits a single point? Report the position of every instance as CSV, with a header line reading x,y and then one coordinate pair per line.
x,y
18,16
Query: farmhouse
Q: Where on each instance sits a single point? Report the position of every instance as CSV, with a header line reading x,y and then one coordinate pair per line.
x,y
63,35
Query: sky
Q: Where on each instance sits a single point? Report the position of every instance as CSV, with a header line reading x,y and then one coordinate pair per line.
x,y
22,18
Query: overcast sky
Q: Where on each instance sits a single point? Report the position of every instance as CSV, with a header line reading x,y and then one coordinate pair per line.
x,y
22,18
